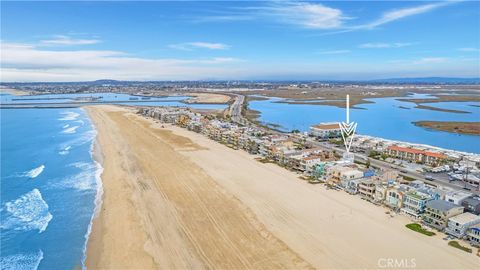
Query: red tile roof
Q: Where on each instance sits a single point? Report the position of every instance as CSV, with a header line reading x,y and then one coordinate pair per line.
x,y
327,126
417,151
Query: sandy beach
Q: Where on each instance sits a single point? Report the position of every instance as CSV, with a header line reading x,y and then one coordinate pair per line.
x,y
175,199
207,98
13,92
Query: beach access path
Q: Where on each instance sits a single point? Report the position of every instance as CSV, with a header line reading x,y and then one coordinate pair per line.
x,y
175,199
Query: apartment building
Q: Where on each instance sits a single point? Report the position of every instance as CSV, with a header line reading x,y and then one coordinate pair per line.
x,y
326,130
415,155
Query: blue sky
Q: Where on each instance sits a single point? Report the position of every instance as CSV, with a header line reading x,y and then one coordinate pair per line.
x,y
161,40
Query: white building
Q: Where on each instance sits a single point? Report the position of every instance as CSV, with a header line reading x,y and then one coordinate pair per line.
x,y
459,225
457,196
326,130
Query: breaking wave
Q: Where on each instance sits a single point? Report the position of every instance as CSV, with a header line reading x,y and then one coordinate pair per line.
x,y
69,116
65,150
34,172
84,138
29,212
29,261
85,180
70,130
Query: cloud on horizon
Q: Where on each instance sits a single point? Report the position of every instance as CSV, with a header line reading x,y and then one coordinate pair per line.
x,y
189,46
67,40
26,62
383,45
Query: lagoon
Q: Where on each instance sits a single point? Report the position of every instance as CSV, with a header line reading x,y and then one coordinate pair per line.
x,y
387,118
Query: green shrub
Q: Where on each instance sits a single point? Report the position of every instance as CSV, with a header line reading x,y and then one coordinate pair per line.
x,y
418,228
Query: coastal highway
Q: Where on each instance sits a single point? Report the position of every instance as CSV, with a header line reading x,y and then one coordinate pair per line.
x,y
236,109
388,166
236,114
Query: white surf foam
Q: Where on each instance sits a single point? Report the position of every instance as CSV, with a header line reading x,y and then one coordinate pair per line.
x,y
83,181
69,116
66,126
98,197
34,172
70,130
29,261
81,139
29,212
65,150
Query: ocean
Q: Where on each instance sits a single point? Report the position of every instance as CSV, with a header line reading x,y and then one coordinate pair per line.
x,y
49,187
50,183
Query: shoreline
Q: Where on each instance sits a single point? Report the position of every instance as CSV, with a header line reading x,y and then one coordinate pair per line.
x,y
97,157
318,225
14,92
145,224
463,128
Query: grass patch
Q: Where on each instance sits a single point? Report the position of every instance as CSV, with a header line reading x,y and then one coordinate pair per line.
x,y
455,244
265,160
418,228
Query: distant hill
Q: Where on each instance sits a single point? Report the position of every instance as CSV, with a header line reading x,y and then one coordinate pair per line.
x,y
429,80
424,80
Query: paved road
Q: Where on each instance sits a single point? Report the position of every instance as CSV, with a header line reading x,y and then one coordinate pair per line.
x,y
403,171
236,109
236,114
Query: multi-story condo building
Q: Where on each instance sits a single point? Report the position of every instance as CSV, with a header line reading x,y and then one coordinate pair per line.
x,y
326,130
437,213
459,224
415,155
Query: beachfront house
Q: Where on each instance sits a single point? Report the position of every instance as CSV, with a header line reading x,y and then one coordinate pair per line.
x,y
414,203
472,204
473,235
437,213
352,185
395,196
457,196
326,130
366,188
339,175
459,224
380,192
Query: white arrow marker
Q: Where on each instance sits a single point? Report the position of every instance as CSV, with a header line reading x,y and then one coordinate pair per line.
x,y
348,129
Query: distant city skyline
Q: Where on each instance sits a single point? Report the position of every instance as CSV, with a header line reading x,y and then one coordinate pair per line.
x,y
276,40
